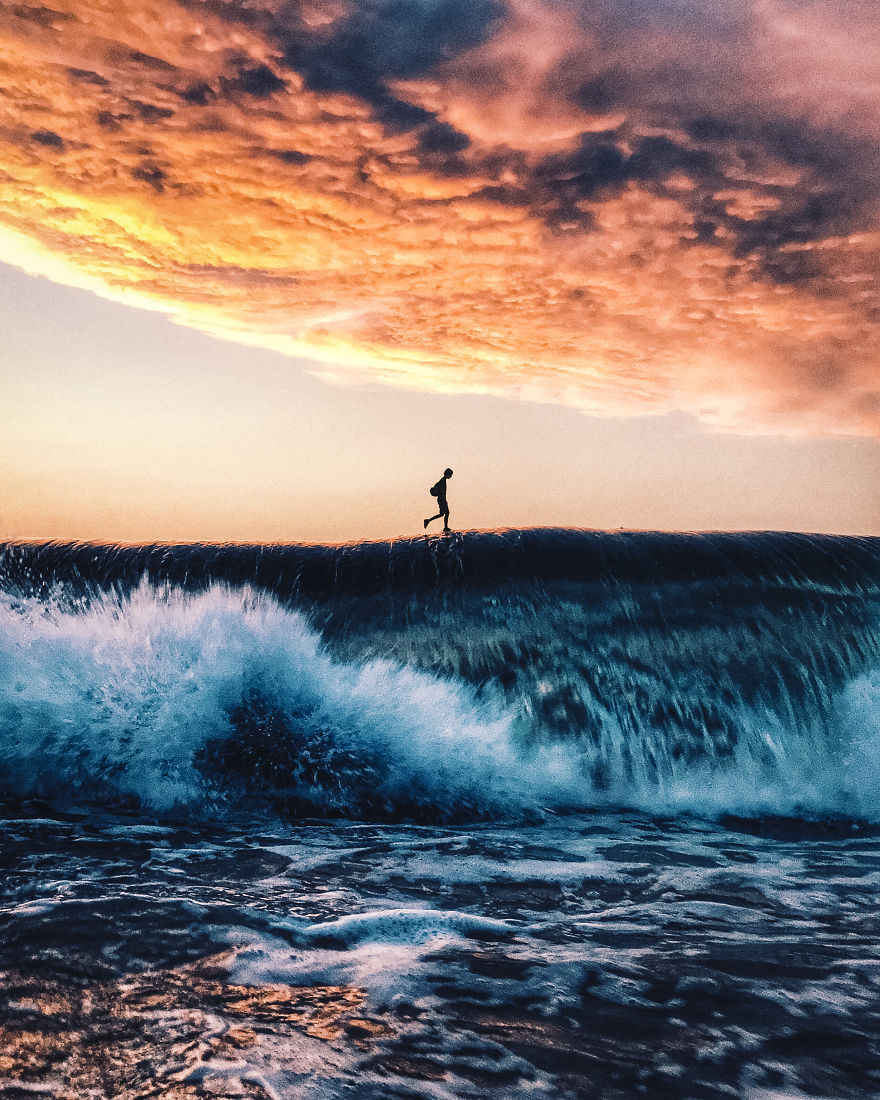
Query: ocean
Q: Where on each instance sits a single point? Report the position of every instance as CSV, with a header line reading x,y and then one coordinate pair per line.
x,y
526,813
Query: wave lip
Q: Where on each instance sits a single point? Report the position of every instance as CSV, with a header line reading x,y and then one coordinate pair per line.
x,y
472,559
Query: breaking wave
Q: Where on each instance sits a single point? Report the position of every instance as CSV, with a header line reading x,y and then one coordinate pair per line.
x,y
750,687
170,700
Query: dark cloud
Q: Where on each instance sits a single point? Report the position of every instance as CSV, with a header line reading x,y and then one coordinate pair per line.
x,y
110,120
682,79
710,128
148,61
440,137
152,174
808,218
385,39
88,76
705,230
258,81
604,91
289,156
792,267
599,168
595,165
834,195
598,165
566,217
397,115
48,138
825,152
657,157
799,144
506,195
149,112
200,94
43,17
382,41
833,198
783,241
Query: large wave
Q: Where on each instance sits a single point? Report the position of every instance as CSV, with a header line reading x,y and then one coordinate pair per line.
x,y
663,698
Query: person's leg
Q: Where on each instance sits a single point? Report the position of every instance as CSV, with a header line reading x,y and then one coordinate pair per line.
x,y
445,515
431,520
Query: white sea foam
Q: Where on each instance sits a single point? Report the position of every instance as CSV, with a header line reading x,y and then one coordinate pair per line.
x,y
119,699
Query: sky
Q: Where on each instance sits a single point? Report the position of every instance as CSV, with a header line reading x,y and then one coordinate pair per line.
x,y
268,266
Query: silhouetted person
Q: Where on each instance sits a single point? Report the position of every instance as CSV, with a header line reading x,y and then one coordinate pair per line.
x,y
439,491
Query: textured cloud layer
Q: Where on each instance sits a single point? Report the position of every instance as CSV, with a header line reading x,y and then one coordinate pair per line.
x,y
625,206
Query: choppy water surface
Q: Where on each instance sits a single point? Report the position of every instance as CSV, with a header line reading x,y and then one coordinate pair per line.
x,y
530,813
601,955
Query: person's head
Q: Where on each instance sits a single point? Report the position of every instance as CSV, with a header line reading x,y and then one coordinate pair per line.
x,y
447,472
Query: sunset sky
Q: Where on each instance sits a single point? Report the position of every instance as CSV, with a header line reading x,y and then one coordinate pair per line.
x,y
270,265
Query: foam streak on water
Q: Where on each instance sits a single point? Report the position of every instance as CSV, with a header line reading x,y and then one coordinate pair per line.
x,y
607,955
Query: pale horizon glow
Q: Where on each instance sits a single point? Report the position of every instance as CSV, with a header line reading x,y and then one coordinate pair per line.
x,y
121,426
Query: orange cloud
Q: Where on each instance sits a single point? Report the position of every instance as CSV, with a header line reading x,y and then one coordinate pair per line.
x,y
611,208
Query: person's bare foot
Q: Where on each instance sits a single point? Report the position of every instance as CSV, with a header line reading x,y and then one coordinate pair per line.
x,y
427,521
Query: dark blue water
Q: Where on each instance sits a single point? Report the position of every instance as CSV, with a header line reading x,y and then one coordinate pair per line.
x,y
542,812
